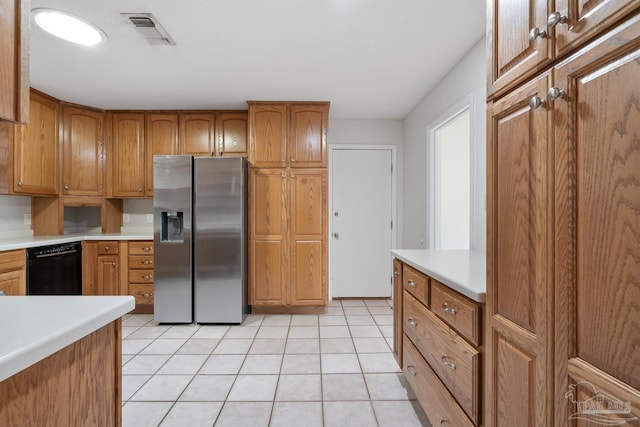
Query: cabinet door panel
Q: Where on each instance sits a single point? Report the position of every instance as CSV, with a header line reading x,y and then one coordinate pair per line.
x,y
397,310
83,152
127,172
197,134
308,135
162,138
232,134
598,205
108,275
308,238
268,135
587,18
14,60
518,136
268,245
13,282
512,56
36,149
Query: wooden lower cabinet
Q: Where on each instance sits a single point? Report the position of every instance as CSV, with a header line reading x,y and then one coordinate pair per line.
x,y
13,272
101,268
288,237
140,279
78,385
440,354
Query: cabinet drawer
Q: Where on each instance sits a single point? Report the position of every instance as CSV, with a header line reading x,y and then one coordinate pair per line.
x,y
13,260
141,248
458,311
454,360
141,261
108,248
140,276
415,283
435,399
142,293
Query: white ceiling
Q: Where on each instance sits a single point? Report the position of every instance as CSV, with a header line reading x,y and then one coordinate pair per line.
x,y
373,59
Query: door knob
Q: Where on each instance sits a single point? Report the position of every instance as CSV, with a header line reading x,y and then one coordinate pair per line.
x,y
336,235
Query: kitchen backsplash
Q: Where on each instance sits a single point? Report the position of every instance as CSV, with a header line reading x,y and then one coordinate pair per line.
x,y
12,216
136,215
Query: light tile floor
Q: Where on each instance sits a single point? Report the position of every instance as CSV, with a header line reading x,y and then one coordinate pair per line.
x,y
333,369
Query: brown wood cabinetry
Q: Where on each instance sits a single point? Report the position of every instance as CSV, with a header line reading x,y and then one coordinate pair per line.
x,y
289,263
526,36
197,134
101,268
14,60
126,171
140,277
564,195
288,204
82,151
88,373
439,347
13,272
161,138
35,152
231,131
288,134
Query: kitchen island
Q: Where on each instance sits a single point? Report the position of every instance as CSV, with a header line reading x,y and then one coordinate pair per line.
x,y
60,360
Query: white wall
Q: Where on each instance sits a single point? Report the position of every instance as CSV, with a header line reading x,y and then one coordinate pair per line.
x,y
374,132
12,211
468,76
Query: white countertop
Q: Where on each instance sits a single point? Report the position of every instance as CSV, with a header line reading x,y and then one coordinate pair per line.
x,y
7,244
462,270
34,327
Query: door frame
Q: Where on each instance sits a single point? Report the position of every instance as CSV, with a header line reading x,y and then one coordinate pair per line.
x,y
394,199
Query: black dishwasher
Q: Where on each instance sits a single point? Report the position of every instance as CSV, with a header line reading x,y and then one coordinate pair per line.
x,y
55,269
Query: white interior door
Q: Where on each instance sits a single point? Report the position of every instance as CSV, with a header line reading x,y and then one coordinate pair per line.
x,y
361,216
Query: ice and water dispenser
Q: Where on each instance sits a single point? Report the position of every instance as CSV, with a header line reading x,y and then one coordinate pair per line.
x,y
172,227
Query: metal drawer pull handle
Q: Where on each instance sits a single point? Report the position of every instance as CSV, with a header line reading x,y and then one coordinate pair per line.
x,y
397,273
106,248
412,322
411,283
447,309
146,295
445,362
147,249
147,277
147,262
411,370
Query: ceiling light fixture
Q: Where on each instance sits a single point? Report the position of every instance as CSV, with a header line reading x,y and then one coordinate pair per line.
x,y
69,27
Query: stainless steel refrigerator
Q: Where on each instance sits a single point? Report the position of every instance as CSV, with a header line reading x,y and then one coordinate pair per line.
x,y
200,236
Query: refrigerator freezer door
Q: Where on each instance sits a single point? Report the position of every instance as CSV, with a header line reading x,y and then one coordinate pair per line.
x,y
173,291
220,265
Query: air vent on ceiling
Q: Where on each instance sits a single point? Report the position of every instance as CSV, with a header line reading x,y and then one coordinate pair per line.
x,y
149,28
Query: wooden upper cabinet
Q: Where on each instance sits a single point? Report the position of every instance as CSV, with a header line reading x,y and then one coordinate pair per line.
x,y
197,135
14,60
597,232
581,20
288,134
308,135
513,57
268,134
126,172
35,161
82,151
231,130
161,139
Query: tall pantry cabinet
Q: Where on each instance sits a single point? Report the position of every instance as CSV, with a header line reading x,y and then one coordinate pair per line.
x,y
288,204
563,193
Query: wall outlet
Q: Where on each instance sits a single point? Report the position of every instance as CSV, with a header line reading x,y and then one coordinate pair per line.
x,y
27,219
125,217
149,217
